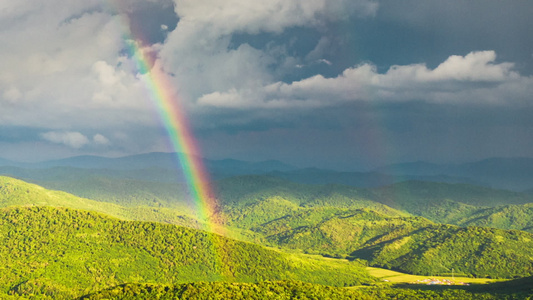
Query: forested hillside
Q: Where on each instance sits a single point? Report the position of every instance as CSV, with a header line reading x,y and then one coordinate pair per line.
x,y
254,199
507,216
15,192
65,253
476,251
413,245
51,247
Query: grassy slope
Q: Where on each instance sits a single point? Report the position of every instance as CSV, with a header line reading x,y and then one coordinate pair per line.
x,y
65,252
15,192
399,277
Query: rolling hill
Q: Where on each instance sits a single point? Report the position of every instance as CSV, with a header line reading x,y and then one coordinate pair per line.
x,y
66,253
458,204
476,251
341,221
250,201
14,192
411,194
413,245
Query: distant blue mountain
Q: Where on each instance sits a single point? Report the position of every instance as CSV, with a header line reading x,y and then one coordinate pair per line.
x,y
156,160
230,167
416,168
503,173
132,162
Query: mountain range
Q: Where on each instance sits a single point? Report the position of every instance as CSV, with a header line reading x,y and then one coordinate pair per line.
x,y
500,173
94,227
338,221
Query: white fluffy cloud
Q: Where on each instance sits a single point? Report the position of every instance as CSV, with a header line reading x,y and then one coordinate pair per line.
x,y
100,139
475,66
62,66
198,51
68,138
74,139
472,78
226,17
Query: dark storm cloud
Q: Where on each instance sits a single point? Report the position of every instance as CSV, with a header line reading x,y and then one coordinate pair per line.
x,y
440,28
365,135
152,20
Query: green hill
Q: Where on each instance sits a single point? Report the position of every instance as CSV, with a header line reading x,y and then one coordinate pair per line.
x,y
263,195
252,200
65,252
14,192
223,290
476,251
460,204
127,192
148,187
413,245
518,217
328,220
340,233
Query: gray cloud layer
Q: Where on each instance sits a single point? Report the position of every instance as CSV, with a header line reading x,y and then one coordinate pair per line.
x,y
65,73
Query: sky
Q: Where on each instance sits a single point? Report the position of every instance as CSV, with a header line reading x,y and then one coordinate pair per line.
x,y
339,84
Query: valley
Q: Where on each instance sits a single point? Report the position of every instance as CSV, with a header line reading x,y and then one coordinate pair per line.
x,y
283,149
92,233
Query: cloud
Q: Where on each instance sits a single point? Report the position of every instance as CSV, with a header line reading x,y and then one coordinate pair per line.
x,y
475,66
100,139
70,71
69,138
226,17
66,70
12,94
74,139
199,50
460,79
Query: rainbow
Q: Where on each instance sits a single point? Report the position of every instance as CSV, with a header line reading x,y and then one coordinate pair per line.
x,y
181,138
166,100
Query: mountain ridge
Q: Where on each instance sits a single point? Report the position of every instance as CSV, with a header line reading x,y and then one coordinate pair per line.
x,y
499,172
